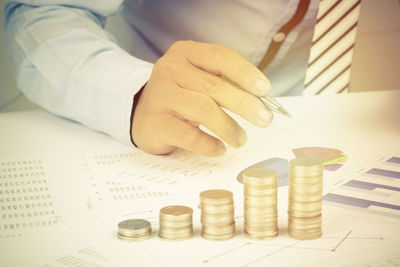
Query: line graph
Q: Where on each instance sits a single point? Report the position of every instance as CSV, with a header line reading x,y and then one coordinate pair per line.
x,y
226,252
272,253
341,241
296,245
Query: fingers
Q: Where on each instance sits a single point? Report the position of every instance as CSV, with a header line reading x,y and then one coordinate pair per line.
x,y
188,86
224,61
201,109
225,94
178,133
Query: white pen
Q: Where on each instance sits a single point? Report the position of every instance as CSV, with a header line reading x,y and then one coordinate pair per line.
x,y
273,105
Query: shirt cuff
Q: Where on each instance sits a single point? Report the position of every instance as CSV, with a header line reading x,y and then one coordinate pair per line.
x,y
135,102
124,110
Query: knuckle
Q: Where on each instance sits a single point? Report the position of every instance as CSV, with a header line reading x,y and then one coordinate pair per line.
x,y
180,45
222,52
245,102
246,70
205,107
229,129
193,139
160,64
164,68
212,85
177,45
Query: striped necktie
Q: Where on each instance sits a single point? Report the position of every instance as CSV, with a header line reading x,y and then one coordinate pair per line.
x,y
332,47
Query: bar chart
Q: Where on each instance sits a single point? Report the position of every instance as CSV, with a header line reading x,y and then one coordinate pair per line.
x,y
376,190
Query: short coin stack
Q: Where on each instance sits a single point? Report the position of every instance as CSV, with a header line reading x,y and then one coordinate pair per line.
x,y
305,198
134,230
217,214
260,203
176,223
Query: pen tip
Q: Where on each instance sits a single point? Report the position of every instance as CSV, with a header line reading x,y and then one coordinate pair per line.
x,y
284,112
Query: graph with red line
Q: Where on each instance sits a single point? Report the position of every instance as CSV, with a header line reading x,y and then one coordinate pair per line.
x,y
332,245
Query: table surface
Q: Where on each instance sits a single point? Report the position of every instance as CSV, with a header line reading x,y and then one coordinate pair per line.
x,y
62,189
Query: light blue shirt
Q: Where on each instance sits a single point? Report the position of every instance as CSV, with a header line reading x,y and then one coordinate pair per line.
x,y
67,63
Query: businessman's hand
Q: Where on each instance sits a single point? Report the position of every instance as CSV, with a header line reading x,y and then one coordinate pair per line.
x,y
187,88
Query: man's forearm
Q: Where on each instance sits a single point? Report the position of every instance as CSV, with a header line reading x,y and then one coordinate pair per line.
x,y
68,64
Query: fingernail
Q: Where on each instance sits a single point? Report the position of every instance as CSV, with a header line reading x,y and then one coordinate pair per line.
x,y
262,86
265,116
221,148
242,138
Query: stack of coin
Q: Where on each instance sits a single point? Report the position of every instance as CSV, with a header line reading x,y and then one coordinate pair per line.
x,y
305,198
134,230
260,203
176,223
217,214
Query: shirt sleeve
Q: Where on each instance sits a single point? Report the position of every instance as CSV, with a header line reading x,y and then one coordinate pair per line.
x,y
69,65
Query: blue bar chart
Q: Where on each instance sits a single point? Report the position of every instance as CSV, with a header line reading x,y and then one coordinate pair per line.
x,y
376,190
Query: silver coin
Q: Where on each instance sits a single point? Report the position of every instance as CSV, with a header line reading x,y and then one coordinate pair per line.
x,y
134,226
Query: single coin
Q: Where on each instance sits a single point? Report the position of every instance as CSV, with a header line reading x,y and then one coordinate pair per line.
x,y
307,176
303,220
261,235
134,226
129,238
218,230
260,222
261,217
217,237
273,226
175,237
183,230
260,192
306,231
269,210
305,206
305,180
214,210
134,234
177,224
305,167
267,229
304,198
304,214
304,225
305,163
217,220
259,176
269,187
306,189
294,194
304,236
216,197
311,228
260,202
176,212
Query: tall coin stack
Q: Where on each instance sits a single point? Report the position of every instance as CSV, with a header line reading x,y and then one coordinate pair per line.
x,y
176,223
260,203
305,198
217,214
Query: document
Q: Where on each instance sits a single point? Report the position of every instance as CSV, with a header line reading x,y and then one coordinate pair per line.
x,y
64,188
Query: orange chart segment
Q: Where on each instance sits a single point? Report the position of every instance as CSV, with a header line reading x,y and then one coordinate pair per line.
x,y
321,153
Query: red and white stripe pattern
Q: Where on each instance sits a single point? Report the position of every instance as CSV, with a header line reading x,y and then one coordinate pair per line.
x,y
331,53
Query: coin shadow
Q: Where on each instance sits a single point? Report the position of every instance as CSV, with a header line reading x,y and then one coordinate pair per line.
x,y
196,230
283,230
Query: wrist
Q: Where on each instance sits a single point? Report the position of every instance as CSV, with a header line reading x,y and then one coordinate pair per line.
x,y
136,99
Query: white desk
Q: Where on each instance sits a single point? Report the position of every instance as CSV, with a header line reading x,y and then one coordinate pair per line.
x,y
64,188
